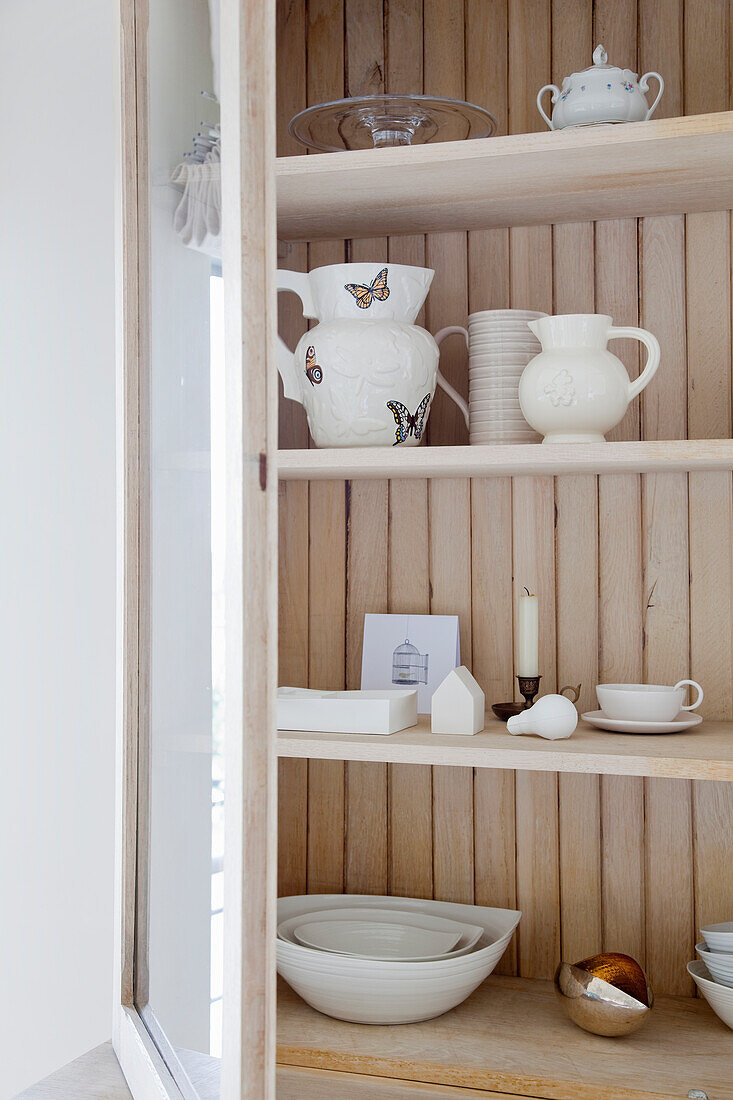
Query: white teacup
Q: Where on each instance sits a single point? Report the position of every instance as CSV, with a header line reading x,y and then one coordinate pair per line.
x,y
645,702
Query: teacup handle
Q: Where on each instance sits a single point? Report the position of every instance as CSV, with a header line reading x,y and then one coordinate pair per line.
x,y
644,87
651,344
700,696
453,330
555,96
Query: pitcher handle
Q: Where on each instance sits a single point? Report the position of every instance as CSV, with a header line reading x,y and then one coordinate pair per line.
x,y
299,283
555,96
652,346
644,87
694,684
452,330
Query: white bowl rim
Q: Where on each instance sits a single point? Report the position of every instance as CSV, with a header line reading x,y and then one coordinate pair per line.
x,y
638,689
724,928
322,962
471,913
725,991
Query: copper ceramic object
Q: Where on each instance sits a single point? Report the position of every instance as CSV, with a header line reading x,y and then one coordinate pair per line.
x,y
606,994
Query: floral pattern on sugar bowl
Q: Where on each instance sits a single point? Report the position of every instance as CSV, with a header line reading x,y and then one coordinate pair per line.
x,y
603,93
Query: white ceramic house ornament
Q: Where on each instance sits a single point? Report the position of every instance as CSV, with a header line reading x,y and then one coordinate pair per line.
x,y
458,704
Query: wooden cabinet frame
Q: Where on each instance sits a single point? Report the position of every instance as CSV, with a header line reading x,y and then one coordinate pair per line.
x,y
248,37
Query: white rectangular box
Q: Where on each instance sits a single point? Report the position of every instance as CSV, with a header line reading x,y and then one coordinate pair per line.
x,y
346,711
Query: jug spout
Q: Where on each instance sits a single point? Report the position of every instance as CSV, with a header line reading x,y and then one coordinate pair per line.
x,y
572,330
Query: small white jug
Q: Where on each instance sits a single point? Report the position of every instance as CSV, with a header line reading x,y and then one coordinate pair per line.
x,y
575,390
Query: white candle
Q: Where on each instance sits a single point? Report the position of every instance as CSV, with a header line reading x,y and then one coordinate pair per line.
x,y
529,636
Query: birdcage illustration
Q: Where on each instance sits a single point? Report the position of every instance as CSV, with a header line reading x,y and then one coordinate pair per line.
x,y
409,665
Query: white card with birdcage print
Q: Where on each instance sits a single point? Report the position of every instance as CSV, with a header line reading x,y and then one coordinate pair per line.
x,y
409,651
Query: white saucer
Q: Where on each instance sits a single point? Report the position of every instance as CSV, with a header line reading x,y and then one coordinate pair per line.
x,y
683,721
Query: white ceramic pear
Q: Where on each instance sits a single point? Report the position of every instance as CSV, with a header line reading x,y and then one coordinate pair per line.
x,y
552,716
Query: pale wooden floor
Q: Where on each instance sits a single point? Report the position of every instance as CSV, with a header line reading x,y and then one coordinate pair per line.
x,y
97,1076
94,1076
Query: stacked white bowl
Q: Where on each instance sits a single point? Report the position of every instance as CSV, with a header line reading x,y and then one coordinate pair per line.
x,y
370,959
500,346
714,974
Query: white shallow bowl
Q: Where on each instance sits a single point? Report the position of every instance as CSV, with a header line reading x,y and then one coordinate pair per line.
x,y
719,997
718,963
465,936
469,934
365,991
719,937
365,939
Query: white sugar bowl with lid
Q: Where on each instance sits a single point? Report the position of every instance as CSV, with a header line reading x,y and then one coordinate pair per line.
x,y
602,93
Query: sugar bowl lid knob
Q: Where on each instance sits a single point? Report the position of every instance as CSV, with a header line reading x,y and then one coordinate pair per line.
x,y
600,57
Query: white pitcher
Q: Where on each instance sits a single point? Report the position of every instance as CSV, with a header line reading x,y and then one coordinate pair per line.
x,y
575,390
366,373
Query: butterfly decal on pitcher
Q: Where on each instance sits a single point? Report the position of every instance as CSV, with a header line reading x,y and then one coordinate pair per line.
x,y
408,423
365,295
313,372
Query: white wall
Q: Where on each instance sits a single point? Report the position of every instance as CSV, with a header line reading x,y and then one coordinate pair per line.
x,y
57,539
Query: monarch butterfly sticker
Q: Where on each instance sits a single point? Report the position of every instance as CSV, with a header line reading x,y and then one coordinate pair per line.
x,y
408,424
365,295
313,372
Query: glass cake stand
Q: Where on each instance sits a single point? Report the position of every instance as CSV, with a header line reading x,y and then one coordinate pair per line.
x,y
374,121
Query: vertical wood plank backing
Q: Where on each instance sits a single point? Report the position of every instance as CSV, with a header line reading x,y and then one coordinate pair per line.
x,y
576,505
366,784
326,543
533,534
664,516
619,542
538,888
450,579
293,507
491,503
708,257
327,633
658,548
293,670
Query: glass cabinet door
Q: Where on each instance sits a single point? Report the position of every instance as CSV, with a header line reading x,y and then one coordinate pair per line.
x,y
198,514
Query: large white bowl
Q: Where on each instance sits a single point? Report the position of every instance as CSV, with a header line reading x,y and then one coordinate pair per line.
x,y
719,997
719,963
365,991
719,937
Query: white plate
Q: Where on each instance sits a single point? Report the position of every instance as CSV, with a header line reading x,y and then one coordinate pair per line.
x,y
369,939
681,722
468,934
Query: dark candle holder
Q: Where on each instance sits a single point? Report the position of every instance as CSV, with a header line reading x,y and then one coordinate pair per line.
x,y
528,687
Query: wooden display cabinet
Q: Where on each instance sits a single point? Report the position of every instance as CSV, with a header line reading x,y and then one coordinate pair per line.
x,y
603,841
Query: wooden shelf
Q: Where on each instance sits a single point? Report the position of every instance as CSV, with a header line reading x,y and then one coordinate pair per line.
x,y
706,752
664,166
512,1035
506,460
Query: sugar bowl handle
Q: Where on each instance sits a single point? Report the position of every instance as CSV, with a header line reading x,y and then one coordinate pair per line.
x,y
555,96
651,344
575,692
644,87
